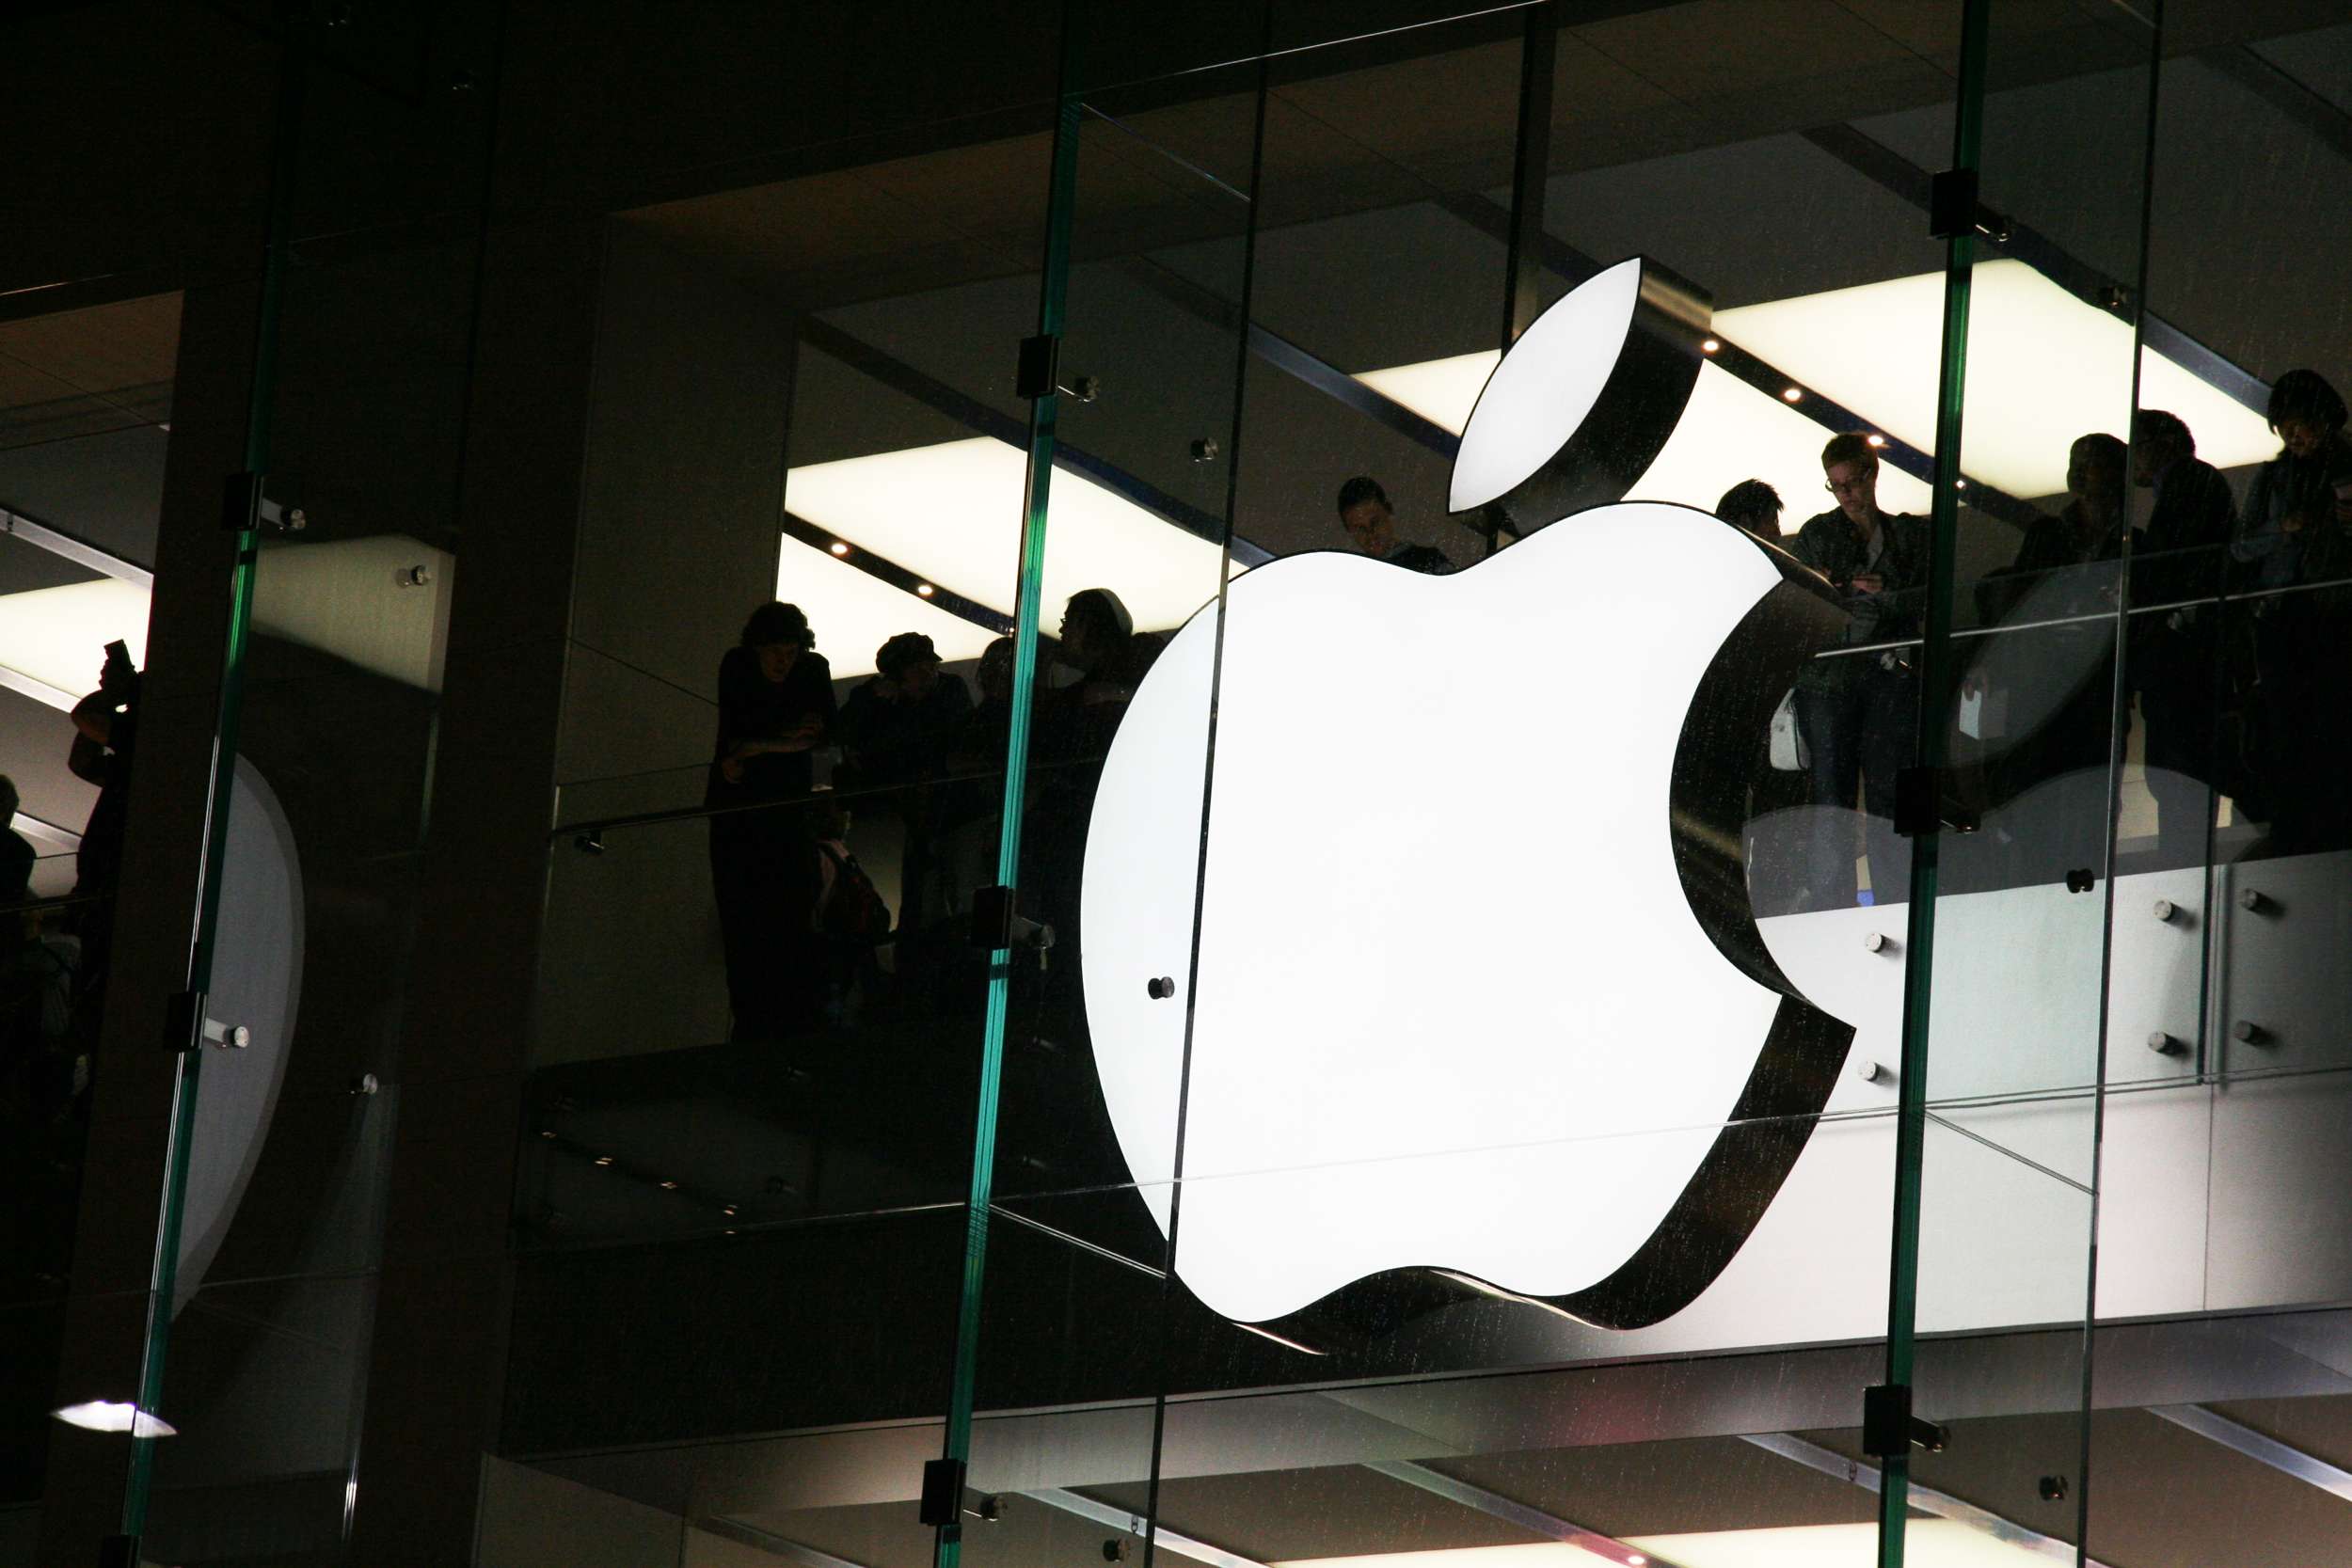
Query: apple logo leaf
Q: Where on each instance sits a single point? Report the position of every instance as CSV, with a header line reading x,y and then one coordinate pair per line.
x,y
1477,1003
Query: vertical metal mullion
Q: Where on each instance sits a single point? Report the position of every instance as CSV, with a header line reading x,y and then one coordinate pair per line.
x,y
1044,410
1164,1350
1903,1308
164,1273
2119,729
1524,261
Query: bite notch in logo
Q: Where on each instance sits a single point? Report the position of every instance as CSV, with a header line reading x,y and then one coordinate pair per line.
x,y
1480,1004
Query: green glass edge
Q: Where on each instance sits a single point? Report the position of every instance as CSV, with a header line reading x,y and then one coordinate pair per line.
x,y
947,1547
260,397
1902,1306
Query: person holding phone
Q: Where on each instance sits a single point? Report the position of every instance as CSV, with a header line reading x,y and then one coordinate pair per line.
x,y
775,705
105,736
1858,712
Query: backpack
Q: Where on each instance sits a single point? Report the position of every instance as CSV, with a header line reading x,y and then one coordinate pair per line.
x,y
853,910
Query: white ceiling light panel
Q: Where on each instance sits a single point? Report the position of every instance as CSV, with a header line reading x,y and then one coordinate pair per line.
x,y
951,513
1927,1544
1730,432
53,640
2042,369
854,613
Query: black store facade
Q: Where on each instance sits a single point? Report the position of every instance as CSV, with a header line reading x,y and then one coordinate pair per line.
x,y
1177,1004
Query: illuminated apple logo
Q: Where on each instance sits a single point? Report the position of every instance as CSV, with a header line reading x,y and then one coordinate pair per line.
x,y
1480,1005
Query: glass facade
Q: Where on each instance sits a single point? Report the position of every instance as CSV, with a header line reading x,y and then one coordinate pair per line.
x,y
1286,786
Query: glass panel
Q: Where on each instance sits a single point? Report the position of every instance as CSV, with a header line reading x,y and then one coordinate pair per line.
x,y
760,1013
330,723
2217,1168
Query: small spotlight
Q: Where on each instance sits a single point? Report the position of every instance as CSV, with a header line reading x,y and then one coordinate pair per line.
x,y
727,1232
547,1131
1710,346
840,549
669,1186
1793,394
730,1211
925,589
1960,484
604,1159
1636,1561
115,1416
1876,440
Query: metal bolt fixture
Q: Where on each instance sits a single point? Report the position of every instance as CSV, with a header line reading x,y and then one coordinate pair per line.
x,y
2251,1032
1085,389
2167,911
1873,1073
2053,1489
1160,988
366,1083
419,576
2254,902
1878,942
1204,450
2164,1044
228,1037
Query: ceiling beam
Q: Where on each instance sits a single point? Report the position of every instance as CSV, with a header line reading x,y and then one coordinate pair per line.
x,y
1509,1510
1137,1525
2282,1457
16,525
1923,1499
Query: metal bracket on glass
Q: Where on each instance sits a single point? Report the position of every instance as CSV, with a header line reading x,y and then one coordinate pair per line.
x,y
186,1028
1923,803
1954,209
245,508
947,1500
1889,1430
1040,367
998,922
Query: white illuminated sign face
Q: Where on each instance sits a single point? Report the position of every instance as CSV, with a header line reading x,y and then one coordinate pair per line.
x,y
1471,995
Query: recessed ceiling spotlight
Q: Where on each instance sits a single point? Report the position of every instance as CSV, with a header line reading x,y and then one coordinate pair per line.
x,y
925,589
1711,346
1876,440
669,1186
1792,394
604,1159
840,549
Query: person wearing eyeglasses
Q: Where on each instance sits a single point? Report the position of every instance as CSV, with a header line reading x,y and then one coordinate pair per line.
x,y
1858,711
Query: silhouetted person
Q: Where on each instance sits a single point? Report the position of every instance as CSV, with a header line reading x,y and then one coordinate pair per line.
x,y
2053,685
1776,876
1752,506
106,741
1371,525
1073,730
971,810
2295,532
1859,712
2176,652
848,919
895,731
775,704
16,857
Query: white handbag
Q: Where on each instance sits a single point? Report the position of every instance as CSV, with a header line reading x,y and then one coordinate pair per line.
x,y
1788,749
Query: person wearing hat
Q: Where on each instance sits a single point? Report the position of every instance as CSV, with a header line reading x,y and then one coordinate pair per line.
x,y
895,731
